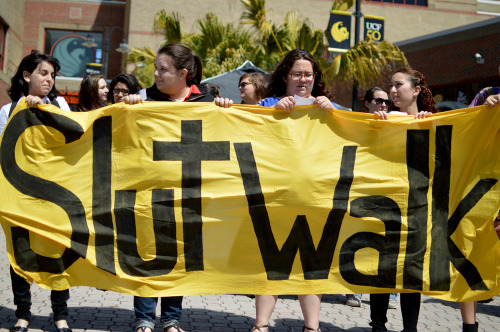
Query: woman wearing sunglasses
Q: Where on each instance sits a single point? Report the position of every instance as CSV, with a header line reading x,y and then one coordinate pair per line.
x,y
252,87
376,100
298,75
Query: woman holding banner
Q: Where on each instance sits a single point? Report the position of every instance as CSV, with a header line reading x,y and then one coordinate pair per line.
x,y
296,80
177,78
35,80
410,95
487,96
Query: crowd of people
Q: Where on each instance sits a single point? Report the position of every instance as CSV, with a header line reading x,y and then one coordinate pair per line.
x,y
297,79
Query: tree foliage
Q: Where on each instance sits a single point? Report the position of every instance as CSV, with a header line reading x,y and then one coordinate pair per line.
x,y
224,47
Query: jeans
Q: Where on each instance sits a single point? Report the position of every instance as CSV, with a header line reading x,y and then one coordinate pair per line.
x,y
410,309
22,299
145,310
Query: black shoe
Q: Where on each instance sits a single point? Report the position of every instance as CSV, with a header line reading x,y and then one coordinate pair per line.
x,y
18,329
470,327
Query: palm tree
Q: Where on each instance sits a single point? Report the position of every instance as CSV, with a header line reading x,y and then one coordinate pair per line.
x,y
143,58
224,47
365,61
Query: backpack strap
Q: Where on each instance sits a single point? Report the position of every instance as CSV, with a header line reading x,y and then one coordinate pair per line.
x,y
55,103
12,107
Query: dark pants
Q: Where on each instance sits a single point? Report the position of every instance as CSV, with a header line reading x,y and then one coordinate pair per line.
x,y
410,308
145,310
22,299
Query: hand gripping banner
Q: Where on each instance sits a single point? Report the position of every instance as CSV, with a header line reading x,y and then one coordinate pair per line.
x,y
161,199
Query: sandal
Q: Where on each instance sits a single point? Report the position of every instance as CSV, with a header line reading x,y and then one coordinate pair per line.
x,y
258,328
18,329
143,329
63,329
310,329
175,325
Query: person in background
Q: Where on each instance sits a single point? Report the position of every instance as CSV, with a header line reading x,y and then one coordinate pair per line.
x,y
35,79
252,88
410,95
212,89
487,96
376,100
93,93
122,85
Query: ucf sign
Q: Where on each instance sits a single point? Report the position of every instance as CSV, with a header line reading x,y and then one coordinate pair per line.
x,y
167,199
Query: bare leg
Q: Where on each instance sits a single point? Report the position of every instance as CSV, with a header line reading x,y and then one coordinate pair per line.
x,y
468,311
310,305
22,322
61,323
264,307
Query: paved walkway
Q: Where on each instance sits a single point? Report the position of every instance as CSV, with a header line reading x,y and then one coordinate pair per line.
x,y
94,310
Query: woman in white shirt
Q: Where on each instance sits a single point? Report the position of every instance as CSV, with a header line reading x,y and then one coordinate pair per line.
x,y
35,80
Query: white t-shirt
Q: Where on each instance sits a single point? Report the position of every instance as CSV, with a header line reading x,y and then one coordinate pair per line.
x,y
4,112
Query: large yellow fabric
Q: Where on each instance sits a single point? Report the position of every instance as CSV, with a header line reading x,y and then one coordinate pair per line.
x,y
236,192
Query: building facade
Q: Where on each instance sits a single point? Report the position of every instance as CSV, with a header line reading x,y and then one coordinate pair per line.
x,y
63,28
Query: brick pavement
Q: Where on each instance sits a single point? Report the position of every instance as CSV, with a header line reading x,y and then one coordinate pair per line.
x,y
94,310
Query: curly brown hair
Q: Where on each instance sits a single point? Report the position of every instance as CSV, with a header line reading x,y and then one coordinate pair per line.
x,y
425,100
277,84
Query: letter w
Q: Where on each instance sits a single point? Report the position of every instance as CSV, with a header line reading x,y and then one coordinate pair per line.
x,y
278,263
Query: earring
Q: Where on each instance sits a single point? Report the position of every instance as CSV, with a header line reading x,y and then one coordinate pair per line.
x,y
27,80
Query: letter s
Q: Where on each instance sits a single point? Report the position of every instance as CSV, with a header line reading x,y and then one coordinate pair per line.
x,y
43,189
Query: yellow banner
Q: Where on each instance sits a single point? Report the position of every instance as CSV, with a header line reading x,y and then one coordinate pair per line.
x,y
161,199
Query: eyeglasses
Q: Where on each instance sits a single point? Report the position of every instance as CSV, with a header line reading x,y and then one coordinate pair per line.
x,y
124,92
244,84
298,76
380,101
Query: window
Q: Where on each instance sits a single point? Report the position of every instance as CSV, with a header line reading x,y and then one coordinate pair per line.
x,y
68,47
404,2
3,34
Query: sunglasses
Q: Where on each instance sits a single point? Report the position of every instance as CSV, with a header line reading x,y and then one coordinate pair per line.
x,y
244,84
125,92
380,101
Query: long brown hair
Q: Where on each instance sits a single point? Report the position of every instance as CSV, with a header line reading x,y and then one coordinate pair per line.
x,y
88,97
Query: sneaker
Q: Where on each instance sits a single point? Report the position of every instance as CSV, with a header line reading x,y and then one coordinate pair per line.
x,y
353,301
393,304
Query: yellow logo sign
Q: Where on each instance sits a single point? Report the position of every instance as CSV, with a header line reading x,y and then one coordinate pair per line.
x,y
339,33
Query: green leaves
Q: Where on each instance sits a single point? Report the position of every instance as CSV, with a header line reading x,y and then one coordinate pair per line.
x,y
223,47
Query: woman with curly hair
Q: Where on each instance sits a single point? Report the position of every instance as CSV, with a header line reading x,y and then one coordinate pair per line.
x,y
410,95
297,75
